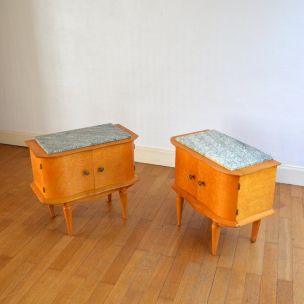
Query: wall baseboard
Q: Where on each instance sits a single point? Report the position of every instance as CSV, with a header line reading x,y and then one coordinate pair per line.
x,y
287,174
15,138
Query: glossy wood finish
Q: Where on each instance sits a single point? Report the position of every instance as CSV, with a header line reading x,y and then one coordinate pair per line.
x,y
113,164
179,208
52,211
215,234
123,202
228,198
148,259
255,230
65,177
67,211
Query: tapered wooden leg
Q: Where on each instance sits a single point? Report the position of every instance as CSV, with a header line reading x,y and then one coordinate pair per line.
x,y
110,198
52,211
255,230
123,202
215,231
67,211
179,209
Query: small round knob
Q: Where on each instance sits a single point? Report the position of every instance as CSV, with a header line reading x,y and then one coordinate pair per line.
x,y
191,176
201,183
100,169
85,172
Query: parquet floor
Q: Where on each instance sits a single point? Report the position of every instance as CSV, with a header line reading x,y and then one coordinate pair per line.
x,y
148,259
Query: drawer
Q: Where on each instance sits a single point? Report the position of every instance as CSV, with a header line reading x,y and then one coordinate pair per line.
x,y
113,164
68,175
186,170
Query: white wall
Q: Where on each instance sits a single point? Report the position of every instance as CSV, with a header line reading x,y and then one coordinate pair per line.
x,y
159,67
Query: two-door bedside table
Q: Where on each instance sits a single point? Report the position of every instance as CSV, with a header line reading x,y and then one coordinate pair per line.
x,y
224,179
76,164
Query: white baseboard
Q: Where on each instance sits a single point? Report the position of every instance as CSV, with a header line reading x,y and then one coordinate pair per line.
x,y
15,138
287,174
293,175
155,156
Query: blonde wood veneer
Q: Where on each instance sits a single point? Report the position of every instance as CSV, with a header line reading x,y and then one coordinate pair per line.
x,y
228,198
62,178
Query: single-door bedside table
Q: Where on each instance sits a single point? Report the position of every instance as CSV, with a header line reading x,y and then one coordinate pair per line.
x,y
224,179
75,164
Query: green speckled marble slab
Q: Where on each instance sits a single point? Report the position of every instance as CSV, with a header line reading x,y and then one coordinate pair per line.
x,y
223,149
80,138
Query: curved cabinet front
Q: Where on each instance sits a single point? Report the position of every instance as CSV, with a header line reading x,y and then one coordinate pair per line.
x,y
68,175
113,165
214,189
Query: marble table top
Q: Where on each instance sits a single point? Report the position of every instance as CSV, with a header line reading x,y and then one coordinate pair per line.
x,y
79,138
223,149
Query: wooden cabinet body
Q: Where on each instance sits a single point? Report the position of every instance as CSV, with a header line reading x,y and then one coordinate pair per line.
x,y
228,198
62,178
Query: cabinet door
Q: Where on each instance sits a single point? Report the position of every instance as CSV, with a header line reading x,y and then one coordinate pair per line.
x,y
186,169
113,165
217,191
68,175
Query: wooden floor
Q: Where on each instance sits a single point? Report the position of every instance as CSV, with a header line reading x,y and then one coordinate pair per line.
x,y
148,259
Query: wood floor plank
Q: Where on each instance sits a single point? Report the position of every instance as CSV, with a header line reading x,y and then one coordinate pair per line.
x,y
256,253
126,278
220,286
252,289
229,246
297,223
118,265
159,276
51,287
296,191
236,284
298,275
268,294
186,291
184,255
285,292
285,251
285,197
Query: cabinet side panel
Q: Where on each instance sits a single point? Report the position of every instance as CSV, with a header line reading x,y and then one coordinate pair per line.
x,y
68,175
37,172
256,193
113,165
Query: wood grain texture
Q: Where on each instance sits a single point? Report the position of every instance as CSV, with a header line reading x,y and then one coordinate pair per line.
x,y
62,178
256,193
147,259
228,198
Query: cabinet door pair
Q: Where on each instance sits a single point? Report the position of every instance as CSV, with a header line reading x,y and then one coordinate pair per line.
x,y
218,191
88,170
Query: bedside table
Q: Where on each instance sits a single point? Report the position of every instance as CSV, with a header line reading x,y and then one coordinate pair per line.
x,y
224,179
76,164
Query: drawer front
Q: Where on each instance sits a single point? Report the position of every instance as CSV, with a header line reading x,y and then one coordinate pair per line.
x,y
186,169
113,165
218,191
68,175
